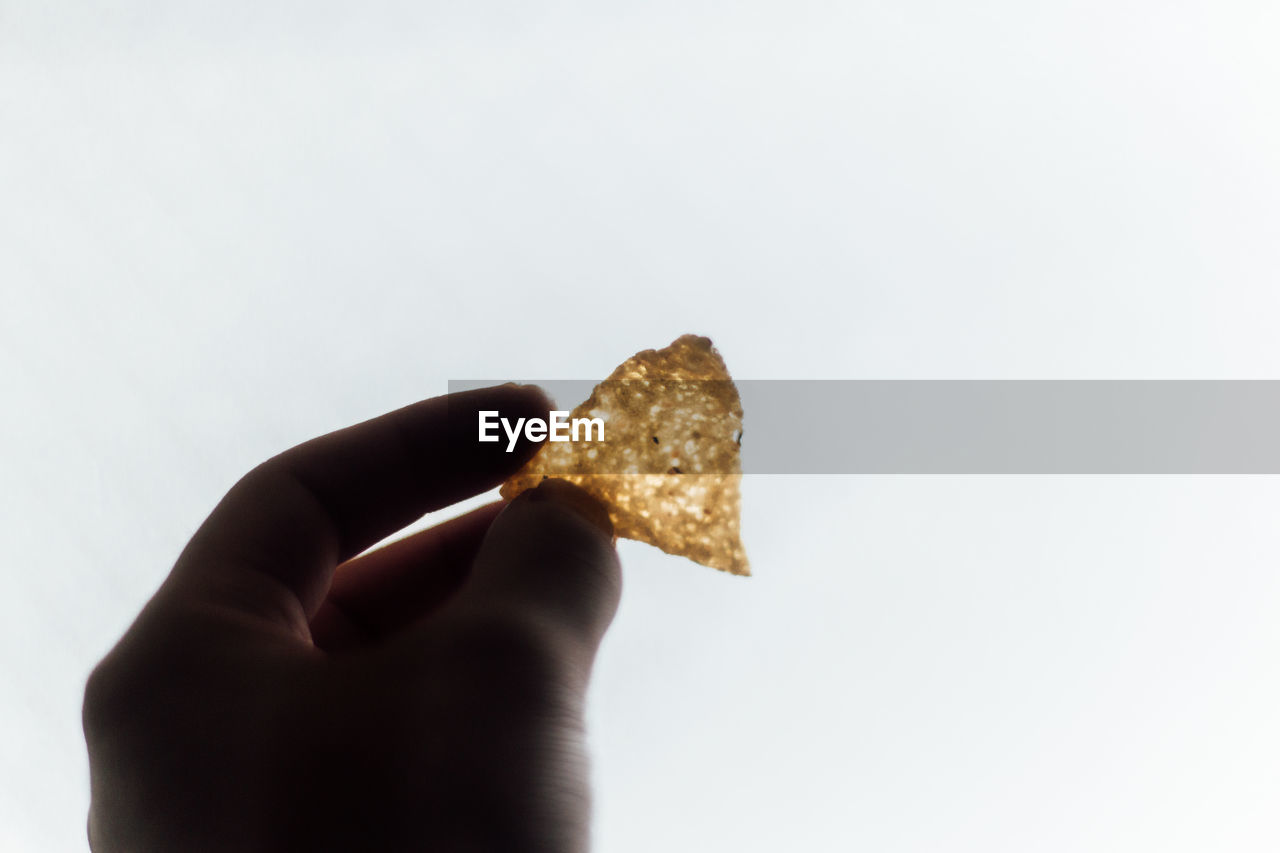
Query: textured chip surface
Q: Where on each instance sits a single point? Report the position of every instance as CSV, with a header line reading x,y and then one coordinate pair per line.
x,y
670,468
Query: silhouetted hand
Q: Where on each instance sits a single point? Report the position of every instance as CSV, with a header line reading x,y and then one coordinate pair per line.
x,y
425,696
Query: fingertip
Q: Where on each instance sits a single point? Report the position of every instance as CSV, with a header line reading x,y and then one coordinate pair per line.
x,y
550,553
524,396
486,455
575,499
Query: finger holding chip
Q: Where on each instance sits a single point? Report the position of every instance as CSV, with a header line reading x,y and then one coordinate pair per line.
x,y
669,470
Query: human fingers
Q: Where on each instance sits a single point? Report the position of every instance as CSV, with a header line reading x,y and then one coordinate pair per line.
x,y
547,565
271,545
378,593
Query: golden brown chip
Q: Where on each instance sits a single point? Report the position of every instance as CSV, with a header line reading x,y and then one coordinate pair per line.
x,y
669,469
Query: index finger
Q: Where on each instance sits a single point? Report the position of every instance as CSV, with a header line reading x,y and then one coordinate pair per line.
x,y
291,520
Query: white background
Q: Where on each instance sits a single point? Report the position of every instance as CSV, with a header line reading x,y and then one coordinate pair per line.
x,y
226,228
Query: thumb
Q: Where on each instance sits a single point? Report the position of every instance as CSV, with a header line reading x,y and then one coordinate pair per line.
x,y
548,557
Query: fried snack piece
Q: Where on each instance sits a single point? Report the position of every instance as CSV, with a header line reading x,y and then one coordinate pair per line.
x,y
670,467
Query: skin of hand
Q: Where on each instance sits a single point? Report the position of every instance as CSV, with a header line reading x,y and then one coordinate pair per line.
x,y
280,692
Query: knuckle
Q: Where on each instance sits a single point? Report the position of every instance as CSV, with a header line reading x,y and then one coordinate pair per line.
x,y
511,654
499,641
562,533
105,697
129,683
262,477
563,537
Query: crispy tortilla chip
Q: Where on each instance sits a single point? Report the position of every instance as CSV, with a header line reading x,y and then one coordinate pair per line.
x,y
670,468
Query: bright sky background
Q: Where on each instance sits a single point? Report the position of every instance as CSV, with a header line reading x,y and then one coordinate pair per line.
x,y
225,229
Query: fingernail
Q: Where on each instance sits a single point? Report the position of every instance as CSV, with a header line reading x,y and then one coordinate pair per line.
x,y
530,389
573,498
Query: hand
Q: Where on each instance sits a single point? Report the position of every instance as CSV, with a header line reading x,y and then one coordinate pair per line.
x,y
425,696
